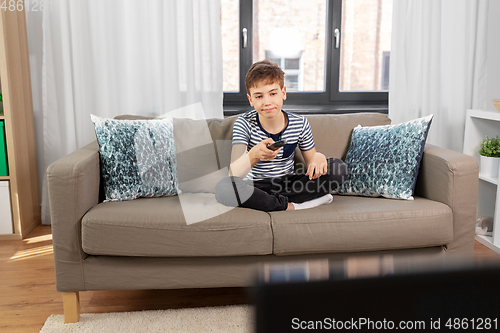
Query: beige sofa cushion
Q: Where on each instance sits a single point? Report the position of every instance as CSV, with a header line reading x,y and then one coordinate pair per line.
x,y
332,133
195,160
203,148
156,227
351,224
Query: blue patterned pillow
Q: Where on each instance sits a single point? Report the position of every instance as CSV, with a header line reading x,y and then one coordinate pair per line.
x,y
384,160
138,158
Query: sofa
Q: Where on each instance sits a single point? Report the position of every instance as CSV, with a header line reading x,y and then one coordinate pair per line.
x,y
147,243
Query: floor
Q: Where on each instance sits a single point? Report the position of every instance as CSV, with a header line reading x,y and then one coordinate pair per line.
x,y
28,295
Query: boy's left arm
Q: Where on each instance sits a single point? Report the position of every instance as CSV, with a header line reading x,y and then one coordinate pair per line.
x,y
315,162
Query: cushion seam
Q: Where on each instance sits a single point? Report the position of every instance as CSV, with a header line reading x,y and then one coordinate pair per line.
x,y
362,221
362,250
169,229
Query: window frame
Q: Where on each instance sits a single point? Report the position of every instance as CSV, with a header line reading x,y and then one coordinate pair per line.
x,y
331,96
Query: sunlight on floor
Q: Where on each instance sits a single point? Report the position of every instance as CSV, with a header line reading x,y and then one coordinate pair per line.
x,y
33,253
38,239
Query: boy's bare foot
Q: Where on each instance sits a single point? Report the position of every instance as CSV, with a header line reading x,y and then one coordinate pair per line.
x,y
290,206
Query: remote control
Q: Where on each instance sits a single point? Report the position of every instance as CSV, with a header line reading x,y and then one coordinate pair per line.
x,y
276,145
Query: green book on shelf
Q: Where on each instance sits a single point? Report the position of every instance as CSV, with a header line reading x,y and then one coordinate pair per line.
x,y
4,165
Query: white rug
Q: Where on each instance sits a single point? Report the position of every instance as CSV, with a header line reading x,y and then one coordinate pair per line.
x,y
235,318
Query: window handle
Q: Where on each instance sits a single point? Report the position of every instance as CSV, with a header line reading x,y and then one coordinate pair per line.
x,y
244,34
336,34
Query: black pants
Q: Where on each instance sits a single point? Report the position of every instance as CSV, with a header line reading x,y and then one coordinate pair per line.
x,y
275,194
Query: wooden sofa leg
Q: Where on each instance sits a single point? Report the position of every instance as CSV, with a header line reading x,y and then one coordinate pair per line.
x,y
71,304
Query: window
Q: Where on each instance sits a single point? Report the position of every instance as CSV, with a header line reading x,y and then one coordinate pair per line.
x,y
322,67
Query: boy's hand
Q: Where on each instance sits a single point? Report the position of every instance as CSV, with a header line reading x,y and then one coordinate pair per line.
x,y
317,166
261,152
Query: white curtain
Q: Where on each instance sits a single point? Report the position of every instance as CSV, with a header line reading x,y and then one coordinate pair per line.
x,y
125,57
438,64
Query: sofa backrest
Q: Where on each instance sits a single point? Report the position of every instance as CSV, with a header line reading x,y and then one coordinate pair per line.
x,y
204,146
332,132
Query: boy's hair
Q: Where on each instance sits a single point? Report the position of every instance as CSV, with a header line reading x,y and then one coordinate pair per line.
x,y
266,71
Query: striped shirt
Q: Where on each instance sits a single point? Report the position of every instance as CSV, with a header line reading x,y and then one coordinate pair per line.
x,y
248,131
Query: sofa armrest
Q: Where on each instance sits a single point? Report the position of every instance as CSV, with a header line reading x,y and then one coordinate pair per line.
x,y
73,187
452,178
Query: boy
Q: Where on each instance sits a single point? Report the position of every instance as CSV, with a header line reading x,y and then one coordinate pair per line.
x,y
264,179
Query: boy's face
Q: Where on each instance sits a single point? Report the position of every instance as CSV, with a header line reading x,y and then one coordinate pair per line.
x,y
267,99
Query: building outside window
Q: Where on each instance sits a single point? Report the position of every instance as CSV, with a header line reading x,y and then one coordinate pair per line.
x,y
292,65
321,67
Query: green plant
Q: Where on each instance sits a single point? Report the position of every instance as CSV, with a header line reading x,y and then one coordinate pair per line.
x,y
490,147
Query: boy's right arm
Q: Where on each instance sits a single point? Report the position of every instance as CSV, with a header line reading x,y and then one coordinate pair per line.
x,y
242,163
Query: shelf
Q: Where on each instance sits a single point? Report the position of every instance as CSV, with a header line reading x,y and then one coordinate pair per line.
x,y
493,181
478,125
488,242
485,114
19,126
